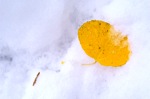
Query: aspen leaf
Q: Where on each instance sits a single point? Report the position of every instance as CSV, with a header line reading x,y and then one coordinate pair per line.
x,y
102,42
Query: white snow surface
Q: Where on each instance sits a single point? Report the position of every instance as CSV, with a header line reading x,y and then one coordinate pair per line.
x,y
37,35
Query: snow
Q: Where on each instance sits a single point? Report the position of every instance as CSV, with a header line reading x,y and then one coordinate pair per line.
x,y
36,36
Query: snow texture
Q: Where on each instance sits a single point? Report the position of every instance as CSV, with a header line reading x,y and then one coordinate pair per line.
x,y
36,36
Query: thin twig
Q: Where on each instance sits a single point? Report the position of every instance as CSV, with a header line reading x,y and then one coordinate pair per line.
x,y
36,78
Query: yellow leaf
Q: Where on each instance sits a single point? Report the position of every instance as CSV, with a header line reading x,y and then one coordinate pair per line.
x,y
102,42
